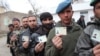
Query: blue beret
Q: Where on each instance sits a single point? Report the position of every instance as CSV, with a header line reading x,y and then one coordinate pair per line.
x,y
62,5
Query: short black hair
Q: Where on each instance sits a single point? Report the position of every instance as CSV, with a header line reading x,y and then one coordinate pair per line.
x,y
24,17
65,8
31,16
45,15
15,19
10,25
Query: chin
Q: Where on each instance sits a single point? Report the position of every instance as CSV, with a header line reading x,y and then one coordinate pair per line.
x,y
66,22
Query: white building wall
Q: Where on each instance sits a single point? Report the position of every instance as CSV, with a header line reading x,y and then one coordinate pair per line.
x,y
76,15
91,14
82,7
56,18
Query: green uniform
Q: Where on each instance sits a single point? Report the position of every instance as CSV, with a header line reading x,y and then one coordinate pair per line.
x,y
69,41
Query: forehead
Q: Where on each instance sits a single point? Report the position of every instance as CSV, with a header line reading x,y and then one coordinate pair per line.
x,y
15,22
24,19
11,27
98,4
32,18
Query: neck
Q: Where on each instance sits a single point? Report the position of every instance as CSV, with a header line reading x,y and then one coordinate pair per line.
x,y
66,24
25,27
17,28
11,31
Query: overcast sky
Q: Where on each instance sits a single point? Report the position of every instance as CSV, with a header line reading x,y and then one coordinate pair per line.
x,y
43,5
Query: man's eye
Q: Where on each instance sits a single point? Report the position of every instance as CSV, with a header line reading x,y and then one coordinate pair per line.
x,y
33,20
98,7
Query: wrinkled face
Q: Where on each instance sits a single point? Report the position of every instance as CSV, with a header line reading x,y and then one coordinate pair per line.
x,y
66,15
97,10
32,22
16,24
25,22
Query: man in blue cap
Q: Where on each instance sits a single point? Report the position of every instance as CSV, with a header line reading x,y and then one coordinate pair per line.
x,y
87,45
63,37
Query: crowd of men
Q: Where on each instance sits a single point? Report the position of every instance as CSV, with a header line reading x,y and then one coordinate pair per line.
x,y
65,38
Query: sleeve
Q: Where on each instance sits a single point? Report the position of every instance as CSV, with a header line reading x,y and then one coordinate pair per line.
x,y
20,47
50,49
33,44
84,46
8,39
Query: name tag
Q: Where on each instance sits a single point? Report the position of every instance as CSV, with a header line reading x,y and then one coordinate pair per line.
x,y
25,38
42,38
61,30
16,32
96,35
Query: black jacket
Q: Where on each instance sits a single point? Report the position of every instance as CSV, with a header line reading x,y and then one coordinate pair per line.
x,y
28,32
8,37
81,23
41,31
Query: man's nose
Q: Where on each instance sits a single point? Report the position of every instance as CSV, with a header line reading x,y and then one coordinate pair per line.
x,y
66,14
47,21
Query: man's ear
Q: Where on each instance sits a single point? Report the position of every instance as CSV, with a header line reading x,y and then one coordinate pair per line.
x,y
72,13
93,9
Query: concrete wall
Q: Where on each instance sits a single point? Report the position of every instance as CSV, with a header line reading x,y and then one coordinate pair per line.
x,y
2,10
56,18
6,18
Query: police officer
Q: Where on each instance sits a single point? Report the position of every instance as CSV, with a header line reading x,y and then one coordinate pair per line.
x,y
47,24
62,39
25,39
87,45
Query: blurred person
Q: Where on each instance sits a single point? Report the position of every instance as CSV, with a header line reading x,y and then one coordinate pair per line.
x,y
87,45
11,28
16,35
16,23
81,21
25,22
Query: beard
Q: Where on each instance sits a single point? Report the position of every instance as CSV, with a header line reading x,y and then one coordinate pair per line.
x,y
25,26
48,26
